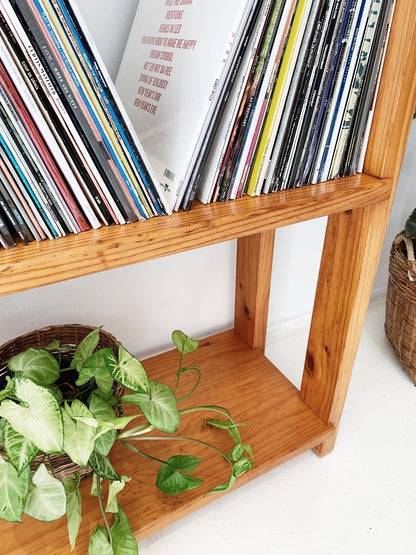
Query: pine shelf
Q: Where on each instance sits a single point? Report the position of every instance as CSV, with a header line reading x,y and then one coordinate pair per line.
x,y
281,420
37,264
285,427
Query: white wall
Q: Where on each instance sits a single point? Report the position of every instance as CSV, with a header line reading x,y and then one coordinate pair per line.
x,y
193,291
404,203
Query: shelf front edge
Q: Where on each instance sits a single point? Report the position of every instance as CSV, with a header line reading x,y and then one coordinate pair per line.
x,y
28,266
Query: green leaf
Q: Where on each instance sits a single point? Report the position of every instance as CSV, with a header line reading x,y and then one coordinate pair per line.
x,y
183,343
102,411
13,491
236,453
99,542
103,467
114,488
85,348
184,463
96,367
8,390
128,371
117,423
410,226
123,540
227,425
55,345
38,418
170,478
96,489
79,434
222,424
242,466
159,407
73,507
46,500
35,364
109,398
249,449
19,450
222,488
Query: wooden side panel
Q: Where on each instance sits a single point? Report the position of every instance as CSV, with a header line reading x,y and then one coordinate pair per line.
x,y
254,268
350,257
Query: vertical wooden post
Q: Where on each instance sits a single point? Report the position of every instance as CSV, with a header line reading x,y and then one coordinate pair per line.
x,y
349,262
254,268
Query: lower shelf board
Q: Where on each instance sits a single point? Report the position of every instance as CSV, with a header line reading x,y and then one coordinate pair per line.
x,y
278,425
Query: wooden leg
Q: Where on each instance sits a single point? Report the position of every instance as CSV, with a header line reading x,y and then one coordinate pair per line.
x,y
254,267
349,262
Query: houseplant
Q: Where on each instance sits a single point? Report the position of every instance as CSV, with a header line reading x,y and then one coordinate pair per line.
x,y
400,320
52,403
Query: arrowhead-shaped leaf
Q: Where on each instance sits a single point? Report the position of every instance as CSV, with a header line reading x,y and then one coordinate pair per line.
x,y
35,364
114,488
38,418
99,542
79,435
46,500
170,478
73,508
85,348
19,450
102,411
128,371
123,540
103,467
95,367
13,491
183,343
159,407
241,466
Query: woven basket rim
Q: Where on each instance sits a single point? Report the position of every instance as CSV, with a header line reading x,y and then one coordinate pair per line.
x,y
53,327
69,334
62,464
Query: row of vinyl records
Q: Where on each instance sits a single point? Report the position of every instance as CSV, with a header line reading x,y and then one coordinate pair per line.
x,y
274,94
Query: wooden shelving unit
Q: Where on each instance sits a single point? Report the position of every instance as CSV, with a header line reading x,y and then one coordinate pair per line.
x,y
282,421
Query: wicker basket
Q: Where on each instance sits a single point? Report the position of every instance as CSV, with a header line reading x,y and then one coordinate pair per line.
x,y
69,335
400,321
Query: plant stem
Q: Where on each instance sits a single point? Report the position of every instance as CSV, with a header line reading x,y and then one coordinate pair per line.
x,y
100,501
137,431
198,379
143,454
177,438
214,408
178,373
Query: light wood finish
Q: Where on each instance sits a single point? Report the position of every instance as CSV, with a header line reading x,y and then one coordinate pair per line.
x,y
37,264
252,288
354,238
282,421
235,376
350,257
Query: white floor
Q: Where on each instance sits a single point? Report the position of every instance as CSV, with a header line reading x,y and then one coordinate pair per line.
x,y
358,500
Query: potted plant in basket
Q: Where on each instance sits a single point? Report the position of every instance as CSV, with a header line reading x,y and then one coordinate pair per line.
x,y
400,321
69,401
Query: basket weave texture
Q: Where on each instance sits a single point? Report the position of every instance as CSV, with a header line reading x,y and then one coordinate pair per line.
x,y
400,320
69,335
